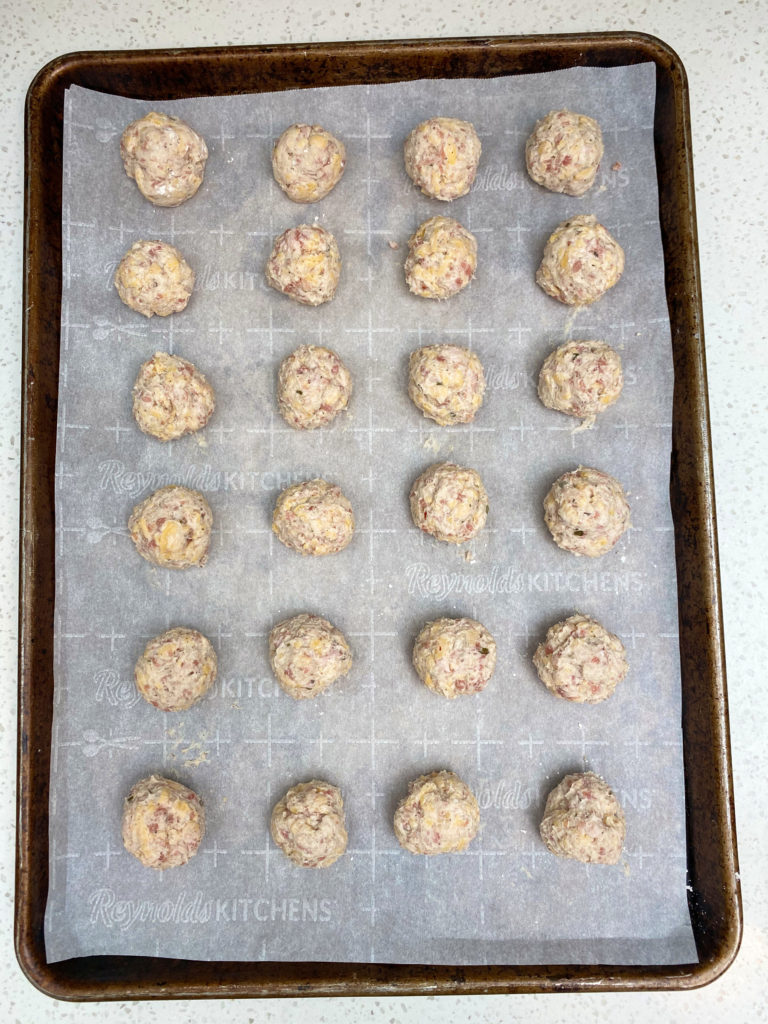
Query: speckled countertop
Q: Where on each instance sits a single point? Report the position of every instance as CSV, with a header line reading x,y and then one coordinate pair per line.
x,y
723,49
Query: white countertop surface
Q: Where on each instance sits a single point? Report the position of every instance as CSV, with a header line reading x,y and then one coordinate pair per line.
x,y
723,49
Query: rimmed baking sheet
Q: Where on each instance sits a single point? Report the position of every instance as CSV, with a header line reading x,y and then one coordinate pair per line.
x,y
427,58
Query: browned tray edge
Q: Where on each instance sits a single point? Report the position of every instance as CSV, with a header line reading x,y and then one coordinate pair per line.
x,y
715,900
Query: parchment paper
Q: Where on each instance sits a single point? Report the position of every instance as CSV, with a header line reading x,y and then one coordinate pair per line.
x,y
506,900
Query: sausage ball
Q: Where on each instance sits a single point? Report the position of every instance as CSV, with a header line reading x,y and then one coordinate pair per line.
x,y
313,518
446,382
313,386
580,660
583,820
442,258
586,512
439,815
581,262
154,278
165,157
308,654
581,378
176,670
163,823
441,157
308,162
449,502
172,528
171,397
305,264
564,152
308,824
454,656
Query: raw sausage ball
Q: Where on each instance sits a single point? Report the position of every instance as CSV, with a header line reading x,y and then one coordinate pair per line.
x,y
171,397
441,157
564,152
313,386
454,656
586,511
307,654
165,157
308,824
154,278
584,820
442,258
581,262
581,378
446,382
580,660
439,815
176,670
449,502
308,162
172,528
163,823
305,264
313,518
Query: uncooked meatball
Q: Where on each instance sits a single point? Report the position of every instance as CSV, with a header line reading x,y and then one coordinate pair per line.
x,y
307,654
581,378
163,823
308,162
581,262
308,824
313,386
564,152
586,511
171,397
165,157
454,656
154,278
176,670
313,518
305,264
449,502
446,382
580,660
441,157
172,528
442,258
439,815
584,820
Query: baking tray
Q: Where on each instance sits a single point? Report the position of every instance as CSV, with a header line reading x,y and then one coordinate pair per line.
x,y
714,894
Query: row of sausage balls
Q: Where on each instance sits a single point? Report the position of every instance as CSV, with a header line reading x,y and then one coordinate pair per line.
x,y
580,378
164,821
581,262
166,157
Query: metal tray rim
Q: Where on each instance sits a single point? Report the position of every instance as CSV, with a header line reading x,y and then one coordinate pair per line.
x,y
160,978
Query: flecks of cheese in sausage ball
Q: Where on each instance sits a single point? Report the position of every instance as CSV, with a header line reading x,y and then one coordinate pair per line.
x,y
153,278
441,157
442,258
308,824
308,162
563,152
440,814
163,823
583,820
172,528
165,157
449,502
586,511
313,517
305,264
